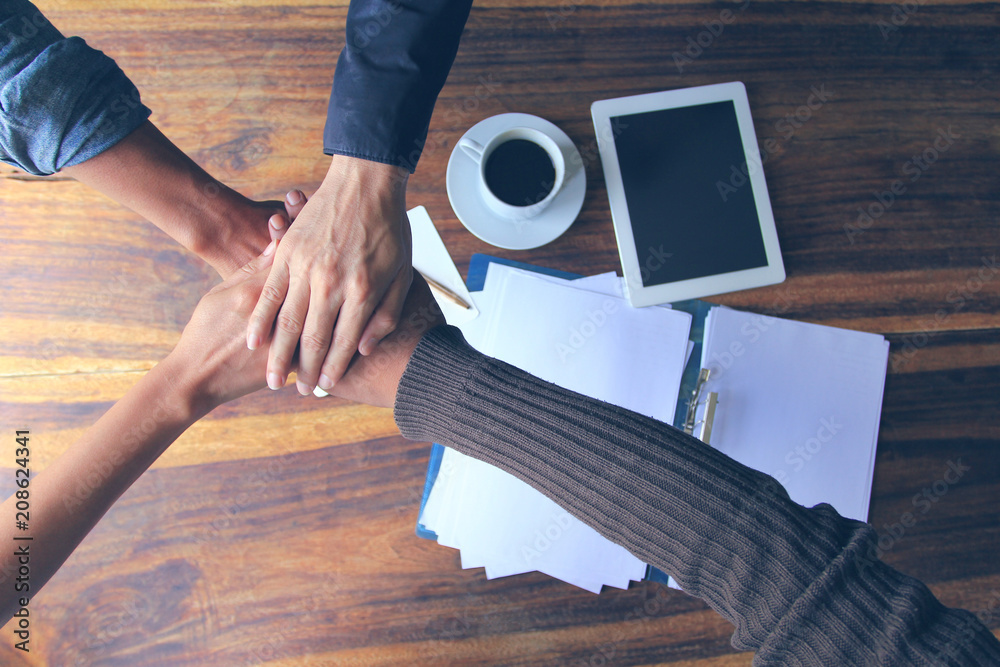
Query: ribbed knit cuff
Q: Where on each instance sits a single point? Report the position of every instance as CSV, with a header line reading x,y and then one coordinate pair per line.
x,y
428,392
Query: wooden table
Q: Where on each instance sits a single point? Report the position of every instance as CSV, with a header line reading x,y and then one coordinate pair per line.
x,y
279,530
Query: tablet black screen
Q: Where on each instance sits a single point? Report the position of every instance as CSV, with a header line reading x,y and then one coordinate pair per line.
x,y
684,223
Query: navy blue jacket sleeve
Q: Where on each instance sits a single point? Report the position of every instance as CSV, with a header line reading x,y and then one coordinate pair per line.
x,y
388,77
61,101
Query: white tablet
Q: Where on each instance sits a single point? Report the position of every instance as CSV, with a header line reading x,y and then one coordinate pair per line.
x,y
688,198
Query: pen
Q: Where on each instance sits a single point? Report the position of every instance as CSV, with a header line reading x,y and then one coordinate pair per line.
x,y
446,293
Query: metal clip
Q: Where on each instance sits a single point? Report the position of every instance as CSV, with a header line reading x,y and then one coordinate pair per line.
x,y
711,400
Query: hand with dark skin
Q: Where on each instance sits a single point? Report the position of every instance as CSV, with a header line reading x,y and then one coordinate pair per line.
x,y
147,173
209,366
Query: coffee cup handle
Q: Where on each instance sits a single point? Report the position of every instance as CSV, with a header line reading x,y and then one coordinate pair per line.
x,y
472,148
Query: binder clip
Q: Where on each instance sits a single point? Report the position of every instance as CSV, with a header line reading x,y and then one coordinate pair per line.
x,y
711,400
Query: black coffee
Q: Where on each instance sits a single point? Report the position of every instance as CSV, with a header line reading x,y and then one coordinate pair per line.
x,y
520,172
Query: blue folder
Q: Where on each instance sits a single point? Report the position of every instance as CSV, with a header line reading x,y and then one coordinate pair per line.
x,y
478,265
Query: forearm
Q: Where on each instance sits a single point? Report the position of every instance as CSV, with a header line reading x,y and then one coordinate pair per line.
x,y
69,497
147,173
799,584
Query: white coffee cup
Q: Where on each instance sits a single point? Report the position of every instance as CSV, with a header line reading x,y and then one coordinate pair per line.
x,y
480,154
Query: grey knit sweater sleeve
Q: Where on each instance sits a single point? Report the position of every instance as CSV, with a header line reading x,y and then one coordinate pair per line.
x,y
797,583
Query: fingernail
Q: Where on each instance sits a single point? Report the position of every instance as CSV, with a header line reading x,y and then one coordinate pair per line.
x,y
274,381
367,347
253,340
325,383
293,197
303,388
277,222
267,252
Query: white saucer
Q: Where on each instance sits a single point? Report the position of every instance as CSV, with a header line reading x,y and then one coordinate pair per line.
x,y
467,201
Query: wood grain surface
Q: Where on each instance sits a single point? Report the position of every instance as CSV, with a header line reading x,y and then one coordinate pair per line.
x,y
279,530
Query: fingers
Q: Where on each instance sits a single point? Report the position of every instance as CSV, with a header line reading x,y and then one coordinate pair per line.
x,y
354,315
287,329
385,319
315,342
294,201
346,335
268,304
277,226
251,269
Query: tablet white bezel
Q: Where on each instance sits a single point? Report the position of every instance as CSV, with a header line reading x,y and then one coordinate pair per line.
x,y
639,295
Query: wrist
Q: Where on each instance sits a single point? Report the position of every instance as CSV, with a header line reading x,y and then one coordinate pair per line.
x,y
229,229
183,388
369,175
150,175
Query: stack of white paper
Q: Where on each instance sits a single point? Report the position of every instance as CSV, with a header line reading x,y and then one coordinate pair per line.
x,y
583,336
800,402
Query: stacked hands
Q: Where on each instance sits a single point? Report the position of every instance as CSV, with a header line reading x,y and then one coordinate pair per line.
x,y
322,287
218,366
339,278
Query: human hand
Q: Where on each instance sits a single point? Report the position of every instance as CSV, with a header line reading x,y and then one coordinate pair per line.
x,y
244,227
147,173
373,379
340,275
213,358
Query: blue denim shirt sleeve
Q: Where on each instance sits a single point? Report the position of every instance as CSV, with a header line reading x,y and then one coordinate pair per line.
x,y
388,77
61,101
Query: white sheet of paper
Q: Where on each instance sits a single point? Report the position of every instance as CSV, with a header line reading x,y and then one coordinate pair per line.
x,y
801,402
431,258
594,344
501,523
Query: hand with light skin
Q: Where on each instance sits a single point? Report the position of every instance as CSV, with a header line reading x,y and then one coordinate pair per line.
x,y
340,275
209,366
147,173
